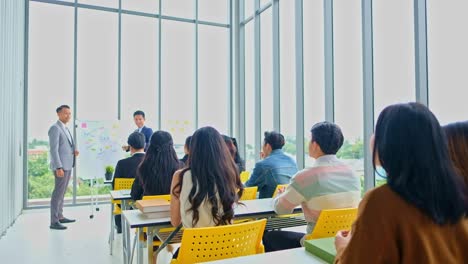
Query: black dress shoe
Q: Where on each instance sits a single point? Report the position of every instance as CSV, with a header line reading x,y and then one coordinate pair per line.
x,y
66,220
57,226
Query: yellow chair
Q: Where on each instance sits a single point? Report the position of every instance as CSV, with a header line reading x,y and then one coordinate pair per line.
x,y
121,184
279,186
244,176
166,197
221,242
250,193
332,221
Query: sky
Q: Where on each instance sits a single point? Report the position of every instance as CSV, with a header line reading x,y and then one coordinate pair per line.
x,y
51,64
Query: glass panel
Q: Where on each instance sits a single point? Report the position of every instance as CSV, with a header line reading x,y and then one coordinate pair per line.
x,y
266,44
140,68
105,3
249,97
179,8
146,6
288,76
178,79
97,89
213,11
50,43
264,2
213,78
97,65
393,53
348,81
249,7
314,93
447,59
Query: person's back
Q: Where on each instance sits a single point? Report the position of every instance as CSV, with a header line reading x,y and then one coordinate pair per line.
x,y
397,232
420,215
204,210
154,175
276,168
328,184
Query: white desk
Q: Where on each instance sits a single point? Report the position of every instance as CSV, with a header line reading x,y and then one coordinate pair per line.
x,y
124,197
260,208
296,255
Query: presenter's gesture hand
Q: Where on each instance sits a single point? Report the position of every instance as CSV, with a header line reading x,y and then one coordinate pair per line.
x,y
59,173
76,153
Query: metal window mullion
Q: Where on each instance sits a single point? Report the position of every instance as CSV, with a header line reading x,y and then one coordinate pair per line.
x,y
75,89
230,71
368,90
159,93
119,65
26,107
299,42
276,67
258,83
329,67
240,75
196,107
420,51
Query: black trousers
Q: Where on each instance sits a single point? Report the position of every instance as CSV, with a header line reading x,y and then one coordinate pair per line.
x,y
280,240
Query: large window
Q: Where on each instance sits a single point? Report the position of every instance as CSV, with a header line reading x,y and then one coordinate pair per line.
x,y
140,68
393,53
266,66
50,85
177,77
213,70
117,71
250,96
287,76
447,56
314,91
348,81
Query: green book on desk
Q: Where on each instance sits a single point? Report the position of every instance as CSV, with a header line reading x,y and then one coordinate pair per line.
x,y
323,248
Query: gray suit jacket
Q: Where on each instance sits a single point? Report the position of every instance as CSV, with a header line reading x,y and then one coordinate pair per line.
x,y
61,149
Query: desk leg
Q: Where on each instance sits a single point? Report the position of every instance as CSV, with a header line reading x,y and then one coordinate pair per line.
x,y
149,245
139,246
111,233
125,236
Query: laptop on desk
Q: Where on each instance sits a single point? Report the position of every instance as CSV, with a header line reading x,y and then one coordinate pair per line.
x,y
125,192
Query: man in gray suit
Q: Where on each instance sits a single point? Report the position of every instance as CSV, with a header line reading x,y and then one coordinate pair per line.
x,y
62,160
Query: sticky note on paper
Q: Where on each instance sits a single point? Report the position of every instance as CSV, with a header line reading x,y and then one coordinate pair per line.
x,y
84,125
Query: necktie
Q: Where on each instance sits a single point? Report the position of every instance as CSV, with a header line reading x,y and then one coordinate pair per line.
x,y
69,136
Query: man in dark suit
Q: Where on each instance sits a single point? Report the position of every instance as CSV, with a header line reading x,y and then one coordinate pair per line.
x,y
139,119
62,161
126,168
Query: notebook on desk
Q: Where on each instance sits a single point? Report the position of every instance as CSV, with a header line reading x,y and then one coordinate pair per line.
x,y
124,192
323,248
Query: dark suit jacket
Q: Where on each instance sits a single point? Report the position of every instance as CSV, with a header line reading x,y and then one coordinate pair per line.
x,y
147,131
126,168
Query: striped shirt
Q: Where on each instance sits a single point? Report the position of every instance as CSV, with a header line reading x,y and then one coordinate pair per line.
x,y
328,184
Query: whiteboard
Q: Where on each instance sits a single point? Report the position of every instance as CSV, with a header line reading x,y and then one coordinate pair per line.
x,y
100,145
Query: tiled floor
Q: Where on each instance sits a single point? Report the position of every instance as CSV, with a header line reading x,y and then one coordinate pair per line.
x,y
30,240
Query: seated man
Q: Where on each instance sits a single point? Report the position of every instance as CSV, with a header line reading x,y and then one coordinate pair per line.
x,y
328,184
126,168
275,168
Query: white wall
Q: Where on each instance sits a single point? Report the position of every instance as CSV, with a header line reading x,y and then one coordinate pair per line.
x,y
12,23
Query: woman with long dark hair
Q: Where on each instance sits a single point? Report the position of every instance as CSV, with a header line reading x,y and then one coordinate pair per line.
x,y
419,215
154,174
203,194
232,147
457,136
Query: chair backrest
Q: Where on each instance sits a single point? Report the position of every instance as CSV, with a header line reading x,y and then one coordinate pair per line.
x,y
332,221
123,183
244,176
221,242
166,197
279,186
250,193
